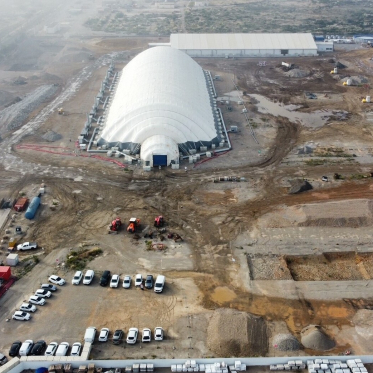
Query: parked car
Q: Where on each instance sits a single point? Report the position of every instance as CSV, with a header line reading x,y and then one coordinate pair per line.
x,y
146,335
118,337
56,280
88,277
3,359
14,348
27,307
324,178
132,336
27,246
158,334
20,315
114,281
149,281
48,287
77,278
37,300
127,282
26,347
75,349
138,280
51,349
159,284
42,293
38,348
105,278
104,335
62,349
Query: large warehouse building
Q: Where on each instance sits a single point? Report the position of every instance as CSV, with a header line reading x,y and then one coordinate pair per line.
x,y
244,45
163,104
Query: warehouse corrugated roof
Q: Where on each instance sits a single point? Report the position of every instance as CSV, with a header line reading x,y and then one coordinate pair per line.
x,y
243,41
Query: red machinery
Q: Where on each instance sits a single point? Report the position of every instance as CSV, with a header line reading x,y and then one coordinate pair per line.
x,y
159,221
133,225
115,225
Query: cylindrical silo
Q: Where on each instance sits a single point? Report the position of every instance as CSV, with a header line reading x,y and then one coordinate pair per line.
x,y
33,207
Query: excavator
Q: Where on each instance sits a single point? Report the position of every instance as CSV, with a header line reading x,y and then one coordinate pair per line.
x,y
134,224
115,225
159,221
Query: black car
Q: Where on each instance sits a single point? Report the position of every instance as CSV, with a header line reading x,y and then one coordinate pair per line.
x,y
48,287
38,348
149,281
118,337
14,349
105,278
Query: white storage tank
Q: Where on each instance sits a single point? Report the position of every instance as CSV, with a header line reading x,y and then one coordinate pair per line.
x,y
12,260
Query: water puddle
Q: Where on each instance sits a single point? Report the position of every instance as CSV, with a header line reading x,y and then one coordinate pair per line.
x,y
314,120
223,294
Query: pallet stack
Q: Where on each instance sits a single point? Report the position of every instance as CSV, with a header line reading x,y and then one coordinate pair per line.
x,y
290,365
336,366
192,366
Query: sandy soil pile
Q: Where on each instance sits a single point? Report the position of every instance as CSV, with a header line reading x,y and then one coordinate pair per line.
x,y
286,342
314,338
234,333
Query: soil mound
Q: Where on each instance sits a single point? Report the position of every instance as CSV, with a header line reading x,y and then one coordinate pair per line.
x,y
313,337
52,136
299,186
298,73
286,342
356,79
234,333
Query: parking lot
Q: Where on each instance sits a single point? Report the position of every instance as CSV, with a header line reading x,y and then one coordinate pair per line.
x,y
72,308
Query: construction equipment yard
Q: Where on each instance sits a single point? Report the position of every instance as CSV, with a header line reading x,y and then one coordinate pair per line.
x,y
257,271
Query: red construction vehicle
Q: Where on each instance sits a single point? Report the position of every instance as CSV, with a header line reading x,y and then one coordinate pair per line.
x,y
115,225
133,225
159,221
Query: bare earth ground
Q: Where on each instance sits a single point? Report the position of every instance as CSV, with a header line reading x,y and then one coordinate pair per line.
x,y
248,247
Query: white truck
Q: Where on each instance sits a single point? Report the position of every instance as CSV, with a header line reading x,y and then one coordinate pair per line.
x,y
27,246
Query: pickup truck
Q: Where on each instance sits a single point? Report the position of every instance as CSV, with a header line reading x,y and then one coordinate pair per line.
x,y
27,246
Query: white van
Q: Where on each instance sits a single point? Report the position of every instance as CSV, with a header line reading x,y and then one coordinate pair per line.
x,y
159,284
62,349
90,334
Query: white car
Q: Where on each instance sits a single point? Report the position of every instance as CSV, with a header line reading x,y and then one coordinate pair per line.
x,y
146,335
20,315
27,246
62,349
158,334
77,278
51,349
104,335
26,347
27,307
114,281
132,336
138,280
42,293
75,349
56,280
127,282
37,300
88,277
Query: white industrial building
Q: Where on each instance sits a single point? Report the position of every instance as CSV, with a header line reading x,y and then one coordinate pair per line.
x,y
244,45
164,106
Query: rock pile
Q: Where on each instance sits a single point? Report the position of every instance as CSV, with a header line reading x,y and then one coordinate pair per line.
x,y
286,342
52,136
314,337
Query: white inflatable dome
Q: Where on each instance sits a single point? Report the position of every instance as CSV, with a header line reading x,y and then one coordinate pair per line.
x,y
161,102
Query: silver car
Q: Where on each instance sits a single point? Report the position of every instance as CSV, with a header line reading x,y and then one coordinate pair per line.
x,y
127,282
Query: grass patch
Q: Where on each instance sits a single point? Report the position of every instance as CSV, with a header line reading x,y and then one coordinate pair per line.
x,y
315,162
78,259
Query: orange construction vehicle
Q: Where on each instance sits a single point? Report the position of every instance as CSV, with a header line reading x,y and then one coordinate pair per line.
x,y
159,221
115,225
133,225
